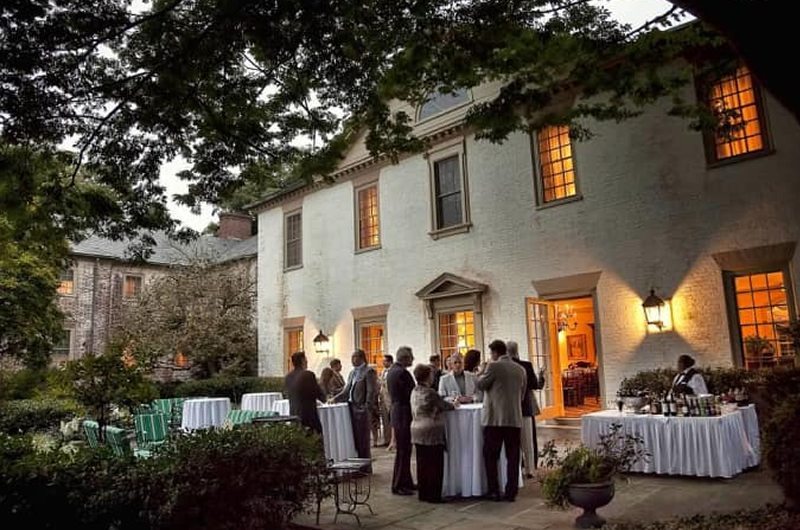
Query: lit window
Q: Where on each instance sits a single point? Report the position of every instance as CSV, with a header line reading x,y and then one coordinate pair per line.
x,y
439,102
763,313
66,281
294,240
132,287
371,339
181,361
293,342
448,190
456,332
556,168
740,128
368,218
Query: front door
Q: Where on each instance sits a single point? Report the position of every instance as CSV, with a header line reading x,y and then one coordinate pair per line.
x,y
544,354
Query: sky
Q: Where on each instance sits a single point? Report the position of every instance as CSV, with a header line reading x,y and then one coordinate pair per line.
x,y
633,12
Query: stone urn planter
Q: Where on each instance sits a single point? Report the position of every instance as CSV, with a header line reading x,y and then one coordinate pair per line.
x,y
590,497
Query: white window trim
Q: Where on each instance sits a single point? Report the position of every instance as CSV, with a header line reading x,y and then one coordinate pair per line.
x,y
537,176
358,323
439,153
457,305
286,216
124,281
72,293
357,216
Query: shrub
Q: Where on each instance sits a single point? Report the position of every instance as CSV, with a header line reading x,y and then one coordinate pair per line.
x,y
769,517
253,477
88,489
781,432
616,453
659,381
29,415
230,387
248,478
23,384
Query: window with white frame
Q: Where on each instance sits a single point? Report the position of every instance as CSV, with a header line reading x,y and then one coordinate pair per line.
x,y
293,236
66,281
449,190
371,337
368,218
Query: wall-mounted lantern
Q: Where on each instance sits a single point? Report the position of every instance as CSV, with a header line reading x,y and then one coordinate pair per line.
x,y
322,344
654,310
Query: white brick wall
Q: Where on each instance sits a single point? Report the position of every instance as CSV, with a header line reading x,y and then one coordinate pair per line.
x,y
652,215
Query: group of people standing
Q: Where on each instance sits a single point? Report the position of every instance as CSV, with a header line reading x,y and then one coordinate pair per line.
x,y
411,410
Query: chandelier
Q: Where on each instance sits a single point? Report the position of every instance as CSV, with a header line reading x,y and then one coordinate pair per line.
x,y
566,318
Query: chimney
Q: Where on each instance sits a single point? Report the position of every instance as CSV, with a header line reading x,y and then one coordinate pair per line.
x,y
234,226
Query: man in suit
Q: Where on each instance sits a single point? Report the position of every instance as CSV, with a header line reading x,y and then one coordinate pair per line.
x,y
400,385
436,364
304,391
458,382
503,384
530,446
361,392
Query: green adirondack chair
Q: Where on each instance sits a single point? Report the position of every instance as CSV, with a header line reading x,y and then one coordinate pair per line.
x,y
120,443
118,440
92,431
242,417
151,430
172,407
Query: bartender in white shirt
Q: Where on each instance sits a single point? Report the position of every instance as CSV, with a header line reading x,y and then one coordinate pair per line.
x,y
688,380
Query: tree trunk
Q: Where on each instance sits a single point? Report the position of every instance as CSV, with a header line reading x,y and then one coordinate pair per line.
x,y
761,32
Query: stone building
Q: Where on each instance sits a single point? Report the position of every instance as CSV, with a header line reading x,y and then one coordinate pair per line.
x,y
101,278
548,241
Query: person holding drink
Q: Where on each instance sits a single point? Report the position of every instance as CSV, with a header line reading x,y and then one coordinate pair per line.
x,y
428,433
459,384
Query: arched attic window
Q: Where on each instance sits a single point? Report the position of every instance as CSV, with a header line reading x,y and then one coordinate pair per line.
x,y
439,102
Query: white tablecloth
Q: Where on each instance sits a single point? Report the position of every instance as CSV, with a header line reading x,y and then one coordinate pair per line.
x,y
715,446
464,472
281,406
337,428
260,400
204,413
750,419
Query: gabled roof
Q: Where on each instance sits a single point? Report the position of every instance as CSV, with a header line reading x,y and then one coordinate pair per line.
x,y
169,252
448,284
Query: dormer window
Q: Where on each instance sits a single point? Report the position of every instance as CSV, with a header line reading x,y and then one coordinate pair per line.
x,y
439,102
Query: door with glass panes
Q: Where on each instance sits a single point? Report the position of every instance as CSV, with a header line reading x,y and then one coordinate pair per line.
x,y
543,349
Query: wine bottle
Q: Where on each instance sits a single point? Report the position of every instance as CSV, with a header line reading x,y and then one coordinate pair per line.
x,y
664,406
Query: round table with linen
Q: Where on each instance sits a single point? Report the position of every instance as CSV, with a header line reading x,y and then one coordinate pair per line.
x,y
260,401
204,413
337,428
464,471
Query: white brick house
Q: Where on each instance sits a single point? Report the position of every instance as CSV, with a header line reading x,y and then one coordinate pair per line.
x,y
649,209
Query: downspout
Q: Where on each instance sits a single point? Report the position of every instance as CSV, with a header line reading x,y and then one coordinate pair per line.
x,y
95,272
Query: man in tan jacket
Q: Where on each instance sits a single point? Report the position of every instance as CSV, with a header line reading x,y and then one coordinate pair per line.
x,y
503,384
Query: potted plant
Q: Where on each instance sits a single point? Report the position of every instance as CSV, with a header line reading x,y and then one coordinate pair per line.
x,y
584,476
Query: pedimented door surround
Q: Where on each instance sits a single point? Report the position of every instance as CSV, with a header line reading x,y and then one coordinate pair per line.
x,y
450,293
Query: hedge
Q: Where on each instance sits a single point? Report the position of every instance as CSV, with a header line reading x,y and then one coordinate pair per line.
x,y
247,478
718,380
770,517
230,387
29,415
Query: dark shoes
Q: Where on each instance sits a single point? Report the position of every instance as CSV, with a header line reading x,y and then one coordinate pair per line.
x,y
496,497
414,487
402,491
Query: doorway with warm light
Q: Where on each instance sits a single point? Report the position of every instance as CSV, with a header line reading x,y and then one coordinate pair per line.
x,y
563,344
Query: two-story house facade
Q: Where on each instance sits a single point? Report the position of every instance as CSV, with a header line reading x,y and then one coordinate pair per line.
x,y
101,279
547,241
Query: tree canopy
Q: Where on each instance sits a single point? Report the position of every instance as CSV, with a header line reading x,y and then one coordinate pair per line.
x,y
231,85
